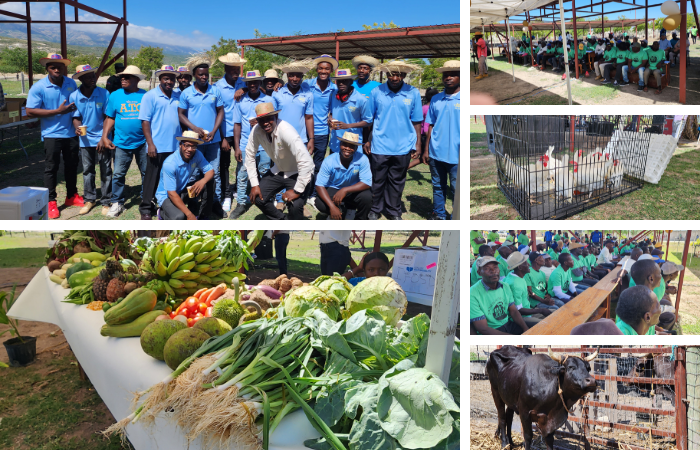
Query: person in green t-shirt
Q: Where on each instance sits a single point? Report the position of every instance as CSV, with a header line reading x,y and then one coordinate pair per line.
x,y
592,263
637,60
554,253
580,274
559,57
656,58
560,284
484,250
637,311
491,303
620,61
476,238
493,236
557,237
517,264
503,254
523,239
603,66
536,281
646,272
510,237
694,33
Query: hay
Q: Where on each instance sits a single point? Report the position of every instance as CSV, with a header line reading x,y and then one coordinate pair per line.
x,y
396,65
293,65
196,59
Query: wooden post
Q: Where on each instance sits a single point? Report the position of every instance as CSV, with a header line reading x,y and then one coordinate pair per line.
x,y
686,246
646,20
684,47
693,395
64,43
377,241
533,239
681,397
611,389
29,45
668,242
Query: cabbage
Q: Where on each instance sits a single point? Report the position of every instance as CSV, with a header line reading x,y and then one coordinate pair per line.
x,y
306,298
336,285
381,294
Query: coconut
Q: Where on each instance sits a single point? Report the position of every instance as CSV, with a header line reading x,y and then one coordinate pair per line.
x,y
156,334
54,265
182,345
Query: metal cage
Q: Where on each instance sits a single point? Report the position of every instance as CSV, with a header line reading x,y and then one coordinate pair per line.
x,y
553,167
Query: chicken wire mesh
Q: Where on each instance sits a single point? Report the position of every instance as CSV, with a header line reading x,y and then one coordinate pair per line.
x,y
637,395
553,167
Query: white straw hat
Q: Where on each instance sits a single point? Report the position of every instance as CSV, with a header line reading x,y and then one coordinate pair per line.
x,y
365,59
271,73
191,136
252,75
326,58
232,59
302,66
83,70
350,138
397,65
166,69
54,57
449,66
134,71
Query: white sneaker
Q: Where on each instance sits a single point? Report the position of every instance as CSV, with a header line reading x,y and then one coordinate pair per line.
x,y
226,205
115,210
312,203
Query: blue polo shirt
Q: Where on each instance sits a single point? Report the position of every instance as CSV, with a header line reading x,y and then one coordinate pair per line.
x,y
91,112
124,108
243,111
46,95
443,115
393,132
201,108
322,101
227,93
366,88
334,175
294,107
176,173
161,112
356,109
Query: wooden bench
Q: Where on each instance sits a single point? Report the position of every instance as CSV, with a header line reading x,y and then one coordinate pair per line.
x,y
590,305
634,77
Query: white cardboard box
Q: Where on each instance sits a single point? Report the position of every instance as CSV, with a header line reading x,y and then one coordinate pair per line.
x,y
414,269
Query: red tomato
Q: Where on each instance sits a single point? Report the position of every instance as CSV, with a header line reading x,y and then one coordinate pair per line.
x,y
203,307
191,303
190,322
199,315
209,311
184,312
196,319
173,314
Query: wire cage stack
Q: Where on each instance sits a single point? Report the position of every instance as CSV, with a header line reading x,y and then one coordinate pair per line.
x,y
553,167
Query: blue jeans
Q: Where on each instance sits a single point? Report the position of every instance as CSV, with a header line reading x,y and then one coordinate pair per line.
x,y
441,173
581,287
625,74
263,161
90,157
553,307
212,153
122,161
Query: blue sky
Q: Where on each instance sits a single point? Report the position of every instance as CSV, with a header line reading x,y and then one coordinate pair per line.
x,y
191,23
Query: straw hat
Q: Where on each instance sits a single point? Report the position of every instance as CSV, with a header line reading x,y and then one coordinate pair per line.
x,y
166,69
202,58
449,66
252,75
343,74
133,71
190,136
365,59
83,70
515,259
271,74
293,66
232,59
397,65
350,138
264,110
53,57
182,70
575,245
326,58
478,33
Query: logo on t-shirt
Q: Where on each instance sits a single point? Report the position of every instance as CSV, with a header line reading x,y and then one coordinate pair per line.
x,y
456,105
541,286
352,108
499,311
99,105
69,88
193,164
302,99
407,101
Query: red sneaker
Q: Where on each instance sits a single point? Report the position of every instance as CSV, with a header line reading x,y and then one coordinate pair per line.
x,y
75,200
53,211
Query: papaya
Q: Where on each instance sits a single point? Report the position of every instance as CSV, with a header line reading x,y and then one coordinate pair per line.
x,y
83,277
92,256
138,302
131,329
77,267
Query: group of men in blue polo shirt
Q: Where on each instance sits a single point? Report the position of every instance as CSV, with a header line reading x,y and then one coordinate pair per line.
x,y
337,109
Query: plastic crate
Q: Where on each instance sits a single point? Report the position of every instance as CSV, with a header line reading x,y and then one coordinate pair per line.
x,y
661,149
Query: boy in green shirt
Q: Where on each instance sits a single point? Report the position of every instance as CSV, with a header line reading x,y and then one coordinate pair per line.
x,y
637,311
656,57
603,65
579,273
536,281
522,238
503,254
517,264
474,277
637,60
560,284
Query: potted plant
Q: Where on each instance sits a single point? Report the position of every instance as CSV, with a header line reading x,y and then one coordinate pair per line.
x,y
21,350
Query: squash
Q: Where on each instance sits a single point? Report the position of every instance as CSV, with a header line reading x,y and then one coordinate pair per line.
x,y
138,302
132,329
77,267
83,277
92,256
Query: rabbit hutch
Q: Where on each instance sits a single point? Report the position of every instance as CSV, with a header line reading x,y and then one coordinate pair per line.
x,y
553,167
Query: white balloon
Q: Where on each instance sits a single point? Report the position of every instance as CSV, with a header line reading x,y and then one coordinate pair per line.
x,y
524,29
670,8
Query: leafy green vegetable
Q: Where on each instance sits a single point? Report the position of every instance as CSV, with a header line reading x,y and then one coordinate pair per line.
x,y
408,340
369,434
307,298
330,404
381,294
336,285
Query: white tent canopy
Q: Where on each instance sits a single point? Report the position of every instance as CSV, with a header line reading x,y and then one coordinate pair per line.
x,y
485,12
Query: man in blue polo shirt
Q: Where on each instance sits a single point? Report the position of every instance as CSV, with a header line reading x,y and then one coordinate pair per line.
x,y
296,102
349,110
184,79
176,200
345,178
161,125
129,142
48,101
201,109
229,85
243,121
596,236
442,151
396,108
364,65
91,103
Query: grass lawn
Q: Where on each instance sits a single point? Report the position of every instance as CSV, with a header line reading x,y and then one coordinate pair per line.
x,y
23,249
676,196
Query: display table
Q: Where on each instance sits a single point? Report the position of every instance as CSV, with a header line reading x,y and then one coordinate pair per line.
x,y
118,366
15,126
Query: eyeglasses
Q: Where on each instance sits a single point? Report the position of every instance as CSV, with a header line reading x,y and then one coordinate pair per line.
x,y
188,145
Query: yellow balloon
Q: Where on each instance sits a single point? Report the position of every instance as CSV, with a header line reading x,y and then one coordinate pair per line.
x,y
670,8
671,22
525,23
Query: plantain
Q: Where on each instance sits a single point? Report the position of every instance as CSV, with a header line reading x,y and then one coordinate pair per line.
x,y
173,265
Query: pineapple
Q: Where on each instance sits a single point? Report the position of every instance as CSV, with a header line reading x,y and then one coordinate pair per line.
x,y
115,289
99,286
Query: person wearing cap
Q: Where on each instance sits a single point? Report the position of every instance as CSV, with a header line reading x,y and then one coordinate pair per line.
x,y
548,267
476,238
364,64
48,100
518,268
271,82
484,250
638,61
393,140
161,126
292,164
114,82
491,302
184,79
295,102
176,200
349,110
90,105
637,311
232,88
243,121
129,141
481,53
560,284
345,179
536,281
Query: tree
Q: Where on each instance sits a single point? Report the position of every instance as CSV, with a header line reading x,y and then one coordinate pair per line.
x,y
80,59
381,26
148,58
430,77
260,59
14,60
221,48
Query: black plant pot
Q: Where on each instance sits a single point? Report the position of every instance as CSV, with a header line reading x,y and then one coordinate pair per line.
x,y
21,353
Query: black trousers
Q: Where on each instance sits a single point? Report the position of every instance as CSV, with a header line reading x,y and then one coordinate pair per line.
x,y
150,182
359,201
53,149
227,190
320,147
197,205
335,258
281,242
270,185
510,328
388,181
587,282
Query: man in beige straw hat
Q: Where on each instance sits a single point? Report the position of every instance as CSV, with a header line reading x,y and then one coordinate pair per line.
x,y
175,197
364,64
296,102
292,170
129,141
345,179
48,101
349,110
271,82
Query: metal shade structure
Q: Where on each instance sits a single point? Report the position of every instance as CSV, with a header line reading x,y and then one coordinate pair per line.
x,y
546,26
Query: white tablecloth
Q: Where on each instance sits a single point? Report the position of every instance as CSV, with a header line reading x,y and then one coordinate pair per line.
x,y
118,366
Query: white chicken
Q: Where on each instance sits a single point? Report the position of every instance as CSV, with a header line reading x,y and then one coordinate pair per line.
x,y
528,179
614,174
590,171
562,179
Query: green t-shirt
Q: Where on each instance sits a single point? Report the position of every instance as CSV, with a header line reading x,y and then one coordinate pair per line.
x,y
578,263
609,55
473,235
552,254
474,277
523,240
510,238
565,250
551,51
560,50
572,55
659,291
590,47
491,304
637,58
622,56
693,31
592,260
538,282
518,288
655,58
502,265
629,331
559,278
493,236
557,237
